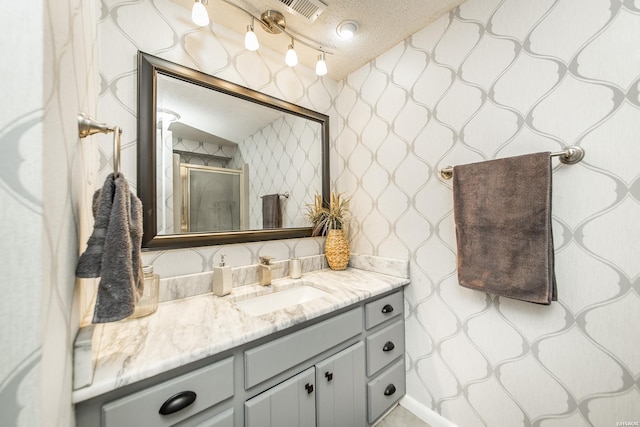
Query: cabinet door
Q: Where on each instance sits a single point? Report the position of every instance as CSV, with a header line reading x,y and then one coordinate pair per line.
x,y
341,389
289,404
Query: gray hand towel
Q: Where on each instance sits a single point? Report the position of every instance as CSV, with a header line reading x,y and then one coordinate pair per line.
x,y
90,262
113,251
502,213
271,211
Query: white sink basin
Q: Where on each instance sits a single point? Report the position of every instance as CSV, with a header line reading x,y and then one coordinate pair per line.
x,y
280,299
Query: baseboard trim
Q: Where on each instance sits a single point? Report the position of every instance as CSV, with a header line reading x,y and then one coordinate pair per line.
x,y
425,414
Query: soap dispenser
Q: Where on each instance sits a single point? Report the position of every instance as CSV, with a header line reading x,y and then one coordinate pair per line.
x,y
222,279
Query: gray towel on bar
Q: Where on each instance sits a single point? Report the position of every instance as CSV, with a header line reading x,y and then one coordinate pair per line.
x,y
90,262
113,250
502,213
271,211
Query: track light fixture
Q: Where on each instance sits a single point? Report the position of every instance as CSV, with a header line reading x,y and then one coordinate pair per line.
x,y
273,22
199,14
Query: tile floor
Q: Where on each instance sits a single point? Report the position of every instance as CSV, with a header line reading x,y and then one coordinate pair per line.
x,y
400,417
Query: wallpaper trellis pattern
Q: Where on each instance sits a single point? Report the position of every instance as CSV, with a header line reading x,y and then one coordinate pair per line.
x,y
282,153
492,79
164,29
44,169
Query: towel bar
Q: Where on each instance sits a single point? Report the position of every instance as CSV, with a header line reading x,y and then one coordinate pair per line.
x,y
87,126
285,195
568,156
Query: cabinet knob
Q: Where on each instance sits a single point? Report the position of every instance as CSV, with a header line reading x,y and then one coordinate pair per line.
x,y
177,402
328,376
309,388
388,346
389,390
387,309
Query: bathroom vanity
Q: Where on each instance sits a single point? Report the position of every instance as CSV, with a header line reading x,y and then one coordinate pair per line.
x,y
336,359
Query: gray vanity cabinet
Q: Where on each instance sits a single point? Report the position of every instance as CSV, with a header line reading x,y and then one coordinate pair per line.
x,y
340,379
329,394
289,404
343,370
224,419
173,401
385,351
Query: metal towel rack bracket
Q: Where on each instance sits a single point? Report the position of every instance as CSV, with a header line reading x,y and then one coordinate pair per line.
x,y
285,195
87,126
568,156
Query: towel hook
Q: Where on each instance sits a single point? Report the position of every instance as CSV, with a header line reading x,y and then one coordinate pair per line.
x,y
87,126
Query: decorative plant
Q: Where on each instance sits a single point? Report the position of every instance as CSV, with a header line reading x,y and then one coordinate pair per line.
x,y
334,217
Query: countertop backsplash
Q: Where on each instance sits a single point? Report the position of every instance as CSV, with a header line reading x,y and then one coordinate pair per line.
x,y
185,286
200,283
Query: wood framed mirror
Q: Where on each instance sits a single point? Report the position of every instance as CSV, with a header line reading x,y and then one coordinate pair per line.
x,y
209,150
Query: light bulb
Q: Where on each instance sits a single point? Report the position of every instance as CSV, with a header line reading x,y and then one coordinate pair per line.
x,y
250,39
321,65
291,58
347,29
199,14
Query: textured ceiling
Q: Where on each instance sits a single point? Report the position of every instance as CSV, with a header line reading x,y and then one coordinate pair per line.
x,y
383,24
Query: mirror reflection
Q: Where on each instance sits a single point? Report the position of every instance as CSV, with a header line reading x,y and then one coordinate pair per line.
x,y
229,164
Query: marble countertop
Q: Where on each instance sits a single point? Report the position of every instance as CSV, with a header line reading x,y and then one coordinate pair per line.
x,y
189,329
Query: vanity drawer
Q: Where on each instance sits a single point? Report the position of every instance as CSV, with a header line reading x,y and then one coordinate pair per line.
x,y
385,390
268,360
225,419
384,347
211,384
383,309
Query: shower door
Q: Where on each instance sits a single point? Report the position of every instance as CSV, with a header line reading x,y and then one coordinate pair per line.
x,y
212,199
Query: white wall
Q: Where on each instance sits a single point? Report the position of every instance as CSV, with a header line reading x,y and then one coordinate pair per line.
x,y
48,78
496,78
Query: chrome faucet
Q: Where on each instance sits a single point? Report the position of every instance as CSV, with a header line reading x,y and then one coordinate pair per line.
x,y
265,268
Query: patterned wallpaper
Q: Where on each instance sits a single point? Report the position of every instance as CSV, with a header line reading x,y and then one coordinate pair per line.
x,y
43,172
286,156
164,29
492,79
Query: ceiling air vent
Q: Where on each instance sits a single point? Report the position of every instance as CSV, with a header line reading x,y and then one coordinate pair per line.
x,y
308,9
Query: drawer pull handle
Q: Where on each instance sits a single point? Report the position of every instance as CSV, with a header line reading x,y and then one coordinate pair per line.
x,y
388,346
177,402
389,390
309,388
328,376
387,309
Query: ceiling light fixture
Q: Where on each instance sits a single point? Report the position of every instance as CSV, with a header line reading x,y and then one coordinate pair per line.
x,y
250,39
347,29
273,22
199,14
321,65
